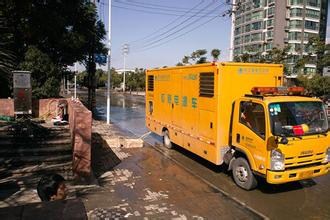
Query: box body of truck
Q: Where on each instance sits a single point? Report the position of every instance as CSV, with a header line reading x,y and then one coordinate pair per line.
x,y
198,108
195,102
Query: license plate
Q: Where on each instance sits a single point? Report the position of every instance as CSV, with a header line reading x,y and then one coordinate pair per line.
x,y
306,174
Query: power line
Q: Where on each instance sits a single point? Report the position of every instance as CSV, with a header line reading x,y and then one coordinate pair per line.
x,y
193,29
153,6
154,38
172,31
170,23
159,12
163,6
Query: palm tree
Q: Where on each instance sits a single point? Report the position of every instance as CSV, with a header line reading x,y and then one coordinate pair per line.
x,y
215,54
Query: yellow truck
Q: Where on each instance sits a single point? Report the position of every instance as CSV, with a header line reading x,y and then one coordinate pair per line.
x,y
240,115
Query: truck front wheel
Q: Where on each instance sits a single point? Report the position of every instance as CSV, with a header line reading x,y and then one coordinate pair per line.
x,y
243,175
167,140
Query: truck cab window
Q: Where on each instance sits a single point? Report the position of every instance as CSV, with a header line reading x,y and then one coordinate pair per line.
x,y
252,115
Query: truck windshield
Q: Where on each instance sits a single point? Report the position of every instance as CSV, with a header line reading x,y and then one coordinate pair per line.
x,y
298,118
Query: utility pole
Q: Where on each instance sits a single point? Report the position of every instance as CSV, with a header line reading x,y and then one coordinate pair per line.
x,y
125,50
109,64
233,17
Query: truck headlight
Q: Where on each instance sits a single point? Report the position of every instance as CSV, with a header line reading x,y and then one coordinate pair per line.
x,y
277,160
327,156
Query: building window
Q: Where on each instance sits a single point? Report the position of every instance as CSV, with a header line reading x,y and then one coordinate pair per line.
x,y
239,20
256,25
295,48
270,23
293,59
257,15
248,17
255,48
309,70
313,3
311,25
270,34
256,37
247,28
271,11
238,30
296,12
296,2
270,1
269,46
307,36
237,50
295,24
247,39
295,36
257,3
312,14
237,40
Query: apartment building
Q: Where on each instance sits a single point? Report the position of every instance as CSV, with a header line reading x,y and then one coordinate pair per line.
x,y
260,25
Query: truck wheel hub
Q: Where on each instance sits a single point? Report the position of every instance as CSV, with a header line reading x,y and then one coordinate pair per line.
x,y
241,174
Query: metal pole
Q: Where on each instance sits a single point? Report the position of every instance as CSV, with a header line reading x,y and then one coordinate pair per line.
x,y
109,65
124,73
125,52
75,81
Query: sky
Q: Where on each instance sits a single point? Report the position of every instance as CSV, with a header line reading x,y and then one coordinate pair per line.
x,y
161,32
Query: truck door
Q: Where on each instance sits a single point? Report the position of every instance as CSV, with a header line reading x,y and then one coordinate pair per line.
x,y
249,132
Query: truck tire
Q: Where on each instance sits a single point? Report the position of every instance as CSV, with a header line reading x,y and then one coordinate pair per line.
x,y
243,175
166,140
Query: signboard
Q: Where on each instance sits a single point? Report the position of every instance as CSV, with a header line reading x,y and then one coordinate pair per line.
x,y
21,80
100,58
22,92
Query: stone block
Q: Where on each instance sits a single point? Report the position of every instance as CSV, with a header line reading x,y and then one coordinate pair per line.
x,y
7,107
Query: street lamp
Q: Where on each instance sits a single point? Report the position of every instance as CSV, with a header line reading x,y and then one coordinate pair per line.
x,y
125,50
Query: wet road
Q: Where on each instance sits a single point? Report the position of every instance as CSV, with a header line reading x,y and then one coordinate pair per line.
x,y
309,199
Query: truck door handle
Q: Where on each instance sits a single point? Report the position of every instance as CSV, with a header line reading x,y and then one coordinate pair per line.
x,y
172,105
238,138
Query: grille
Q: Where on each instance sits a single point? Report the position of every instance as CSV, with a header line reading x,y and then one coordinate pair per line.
x,y
305,160
206,84
151,83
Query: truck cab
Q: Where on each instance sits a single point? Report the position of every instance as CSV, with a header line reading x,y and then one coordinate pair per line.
x,y
279,135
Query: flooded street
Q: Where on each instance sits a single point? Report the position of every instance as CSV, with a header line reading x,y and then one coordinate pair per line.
x,y
308,199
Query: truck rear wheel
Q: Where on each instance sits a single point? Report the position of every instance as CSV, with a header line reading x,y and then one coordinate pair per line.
x,y
166,140
243,175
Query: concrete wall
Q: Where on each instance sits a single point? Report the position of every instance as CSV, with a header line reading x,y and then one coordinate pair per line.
x,y
47,108
80,120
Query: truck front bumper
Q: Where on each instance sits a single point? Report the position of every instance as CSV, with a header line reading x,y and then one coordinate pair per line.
x,y
277,177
